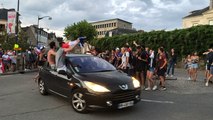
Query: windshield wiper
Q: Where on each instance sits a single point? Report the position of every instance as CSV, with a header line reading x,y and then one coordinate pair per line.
x,y
105,70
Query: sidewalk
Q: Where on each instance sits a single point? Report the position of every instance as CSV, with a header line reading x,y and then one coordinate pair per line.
x,y
184,86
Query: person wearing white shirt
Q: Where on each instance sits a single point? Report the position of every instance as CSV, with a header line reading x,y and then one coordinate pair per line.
x,y
124,66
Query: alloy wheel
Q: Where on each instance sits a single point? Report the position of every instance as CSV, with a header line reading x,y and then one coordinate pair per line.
x,y
42,88
78,102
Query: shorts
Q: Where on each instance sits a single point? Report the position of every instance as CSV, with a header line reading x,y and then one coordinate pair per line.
x,y
211,69
151,69
161,72
40,63
194,65
208,67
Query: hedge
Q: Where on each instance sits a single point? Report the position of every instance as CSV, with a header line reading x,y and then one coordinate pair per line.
x,y
184,41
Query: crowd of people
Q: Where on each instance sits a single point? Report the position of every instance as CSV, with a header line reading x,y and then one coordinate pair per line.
x,y
8,59
144,63
147,64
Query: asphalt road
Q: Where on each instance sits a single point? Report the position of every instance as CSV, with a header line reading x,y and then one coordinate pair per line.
x,y
183,100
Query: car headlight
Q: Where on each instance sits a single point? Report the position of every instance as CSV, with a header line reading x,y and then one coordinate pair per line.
x,y
136,83
96,87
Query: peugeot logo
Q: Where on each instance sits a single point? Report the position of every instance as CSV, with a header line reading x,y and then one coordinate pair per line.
x,y
124,87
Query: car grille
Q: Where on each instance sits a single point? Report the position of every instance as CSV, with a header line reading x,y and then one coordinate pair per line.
x,y
124,96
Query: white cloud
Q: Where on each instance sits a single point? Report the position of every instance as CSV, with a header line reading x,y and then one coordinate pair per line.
x,y
144,14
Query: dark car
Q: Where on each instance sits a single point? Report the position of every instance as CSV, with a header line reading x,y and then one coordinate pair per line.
x,y
91,82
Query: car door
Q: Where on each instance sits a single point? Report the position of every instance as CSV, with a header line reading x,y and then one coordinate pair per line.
x,y
48,77
62,83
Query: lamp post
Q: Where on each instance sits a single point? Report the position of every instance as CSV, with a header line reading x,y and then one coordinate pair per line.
x,y
39,18
17,22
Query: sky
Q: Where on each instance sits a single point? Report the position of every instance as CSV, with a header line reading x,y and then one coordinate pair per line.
x,y
145,15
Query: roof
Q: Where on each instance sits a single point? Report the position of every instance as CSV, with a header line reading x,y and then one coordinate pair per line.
x,y
197,12
112,20
3,13
118,31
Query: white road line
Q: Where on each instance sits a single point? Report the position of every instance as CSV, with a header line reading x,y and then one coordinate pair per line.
x,y
156,101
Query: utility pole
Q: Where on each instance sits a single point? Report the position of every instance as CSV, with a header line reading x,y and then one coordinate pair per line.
x,y
17,22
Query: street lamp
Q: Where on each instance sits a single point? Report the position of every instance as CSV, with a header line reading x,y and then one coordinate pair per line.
x,y
40,18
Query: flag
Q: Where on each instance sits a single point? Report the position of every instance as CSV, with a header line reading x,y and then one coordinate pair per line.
x,y
11,21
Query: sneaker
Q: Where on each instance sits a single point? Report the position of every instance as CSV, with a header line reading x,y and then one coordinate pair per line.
x,y
189,78
207,84
167,75
155,88
163,88
172,76
148,89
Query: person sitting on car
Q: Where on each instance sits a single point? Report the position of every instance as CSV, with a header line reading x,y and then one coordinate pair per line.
x,y
60,55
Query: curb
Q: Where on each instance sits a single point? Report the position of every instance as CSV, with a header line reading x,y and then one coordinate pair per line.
x,y
19,72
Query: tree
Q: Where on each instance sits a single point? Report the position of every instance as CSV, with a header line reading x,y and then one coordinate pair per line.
x,y
80,29
7,41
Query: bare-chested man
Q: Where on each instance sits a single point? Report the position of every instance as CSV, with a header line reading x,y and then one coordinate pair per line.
x,y
51,55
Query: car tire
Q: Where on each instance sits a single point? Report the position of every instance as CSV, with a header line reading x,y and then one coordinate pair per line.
x,y
42,87
78,102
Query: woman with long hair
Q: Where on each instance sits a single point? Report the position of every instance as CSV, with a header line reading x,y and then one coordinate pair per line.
x,y
188,66
194,66
161,67
150,71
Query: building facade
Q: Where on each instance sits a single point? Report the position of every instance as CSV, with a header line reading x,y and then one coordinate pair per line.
x,y
32,32
199,17
3,20
103,27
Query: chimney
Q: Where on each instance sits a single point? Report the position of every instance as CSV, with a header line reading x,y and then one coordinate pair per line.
x,y
211,4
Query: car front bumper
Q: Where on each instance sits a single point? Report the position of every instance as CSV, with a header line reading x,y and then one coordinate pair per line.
x,y
117,100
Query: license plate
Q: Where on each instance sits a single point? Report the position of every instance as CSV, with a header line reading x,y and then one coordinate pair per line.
x,y
125,104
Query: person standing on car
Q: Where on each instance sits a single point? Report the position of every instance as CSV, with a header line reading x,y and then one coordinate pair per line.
x,y
51,55
60,55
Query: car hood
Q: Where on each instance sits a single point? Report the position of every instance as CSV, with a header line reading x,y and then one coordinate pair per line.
x,y
111,80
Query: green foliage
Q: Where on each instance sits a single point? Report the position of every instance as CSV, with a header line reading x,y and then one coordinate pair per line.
x,y
8,41
80,29
184,41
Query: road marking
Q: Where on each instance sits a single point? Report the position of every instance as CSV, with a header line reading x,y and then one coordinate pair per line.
x,y
156,101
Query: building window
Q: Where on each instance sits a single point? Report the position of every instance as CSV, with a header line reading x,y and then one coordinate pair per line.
x,y
195,24
114,24
110,24
107,25
211,22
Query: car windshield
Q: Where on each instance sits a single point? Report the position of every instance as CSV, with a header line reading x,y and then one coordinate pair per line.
x,y
88,64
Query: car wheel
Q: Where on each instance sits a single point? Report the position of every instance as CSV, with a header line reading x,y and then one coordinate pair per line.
x,y
78,102
42,88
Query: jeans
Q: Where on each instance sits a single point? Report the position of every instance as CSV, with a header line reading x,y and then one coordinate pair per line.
x,y
171,66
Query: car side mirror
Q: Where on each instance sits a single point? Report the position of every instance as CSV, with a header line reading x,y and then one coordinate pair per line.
x,y
69,75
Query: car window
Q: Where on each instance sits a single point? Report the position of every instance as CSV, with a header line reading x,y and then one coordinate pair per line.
x,y
88,64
